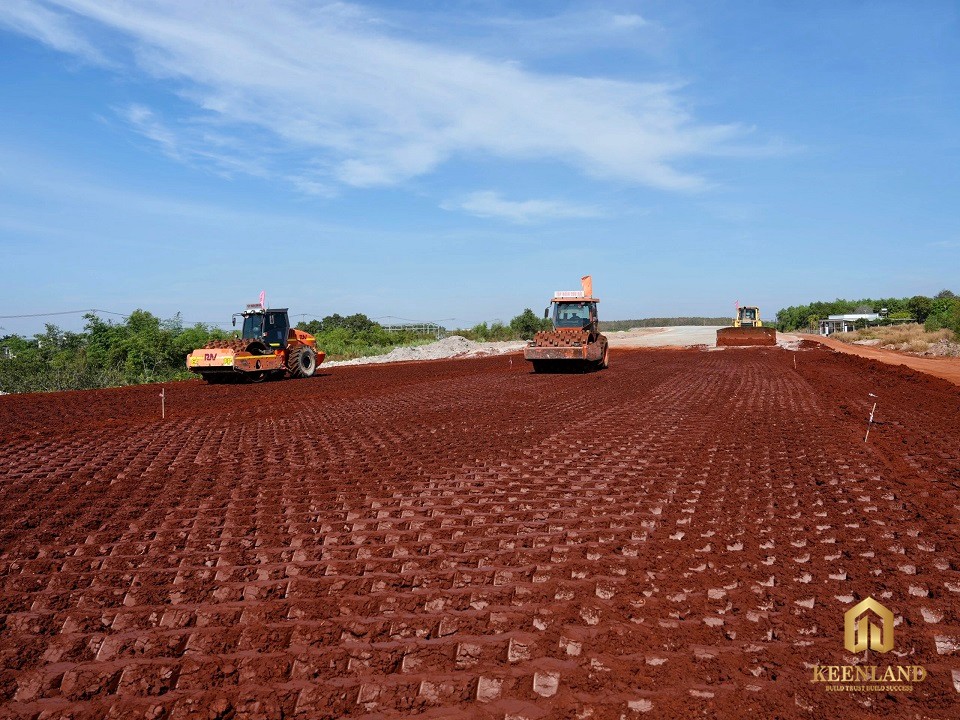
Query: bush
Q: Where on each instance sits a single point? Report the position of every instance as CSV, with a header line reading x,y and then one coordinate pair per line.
x,y
526,324
945,312
911,336
141,349
500,332
920,307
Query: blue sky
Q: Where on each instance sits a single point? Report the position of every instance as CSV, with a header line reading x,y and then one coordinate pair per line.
x,y
461,161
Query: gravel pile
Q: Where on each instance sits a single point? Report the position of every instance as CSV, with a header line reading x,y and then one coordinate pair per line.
x,y
943,348
449,347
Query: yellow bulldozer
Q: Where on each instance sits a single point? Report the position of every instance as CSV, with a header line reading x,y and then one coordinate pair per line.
x,y
747,329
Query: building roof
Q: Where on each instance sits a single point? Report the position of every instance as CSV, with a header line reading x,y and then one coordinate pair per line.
x,y
861,316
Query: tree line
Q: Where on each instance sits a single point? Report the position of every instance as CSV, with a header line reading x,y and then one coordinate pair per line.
x,y
144,348
614,325
935,313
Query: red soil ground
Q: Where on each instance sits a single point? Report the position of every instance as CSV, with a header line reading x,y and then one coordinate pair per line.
x,y
942,367
678,536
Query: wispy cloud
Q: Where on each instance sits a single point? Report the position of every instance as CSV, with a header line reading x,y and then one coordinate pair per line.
x,y
49,27
491,204
332,96
946,244
145,122
196,144
629,21
518,31
559,33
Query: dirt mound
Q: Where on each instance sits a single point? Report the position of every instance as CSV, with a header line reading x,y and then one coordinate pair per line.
x,y
449,347
746,336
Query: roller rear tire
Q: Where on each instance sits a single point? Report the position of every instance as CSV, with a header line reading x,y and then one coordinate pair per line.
x,y
302,361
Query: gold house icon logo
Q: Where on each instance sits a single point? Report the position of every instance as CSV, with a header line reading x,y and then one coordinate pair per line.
x,y
860,633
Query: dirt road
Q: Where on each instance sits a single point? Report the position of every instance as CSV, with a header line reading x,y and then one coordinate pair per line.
x,y
676,336
678,536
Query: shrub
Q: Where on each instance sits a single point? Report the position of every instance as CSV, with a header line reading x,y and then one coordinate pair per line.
x,y
526,324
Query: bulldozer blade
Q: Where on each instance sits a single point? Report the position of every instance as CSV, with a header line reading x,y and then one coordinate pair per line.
x,y
740,336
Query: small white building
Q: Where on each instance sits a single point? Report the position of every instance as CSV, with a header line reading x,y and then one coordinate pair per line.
x,y
846,323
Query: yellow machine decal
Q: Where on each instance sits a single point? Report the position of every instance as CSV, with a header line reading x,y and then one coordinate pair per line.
x,y
208,359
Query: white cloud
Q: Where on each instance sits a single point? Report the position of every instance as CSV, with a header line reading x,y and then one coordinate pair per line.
x,y
146,123
326,93
51,28
197,144
628,21
573,29
491,204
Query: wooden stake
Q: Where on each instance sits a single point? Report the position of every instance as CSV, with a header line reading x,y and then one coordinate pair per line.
x,y
163,403
870,422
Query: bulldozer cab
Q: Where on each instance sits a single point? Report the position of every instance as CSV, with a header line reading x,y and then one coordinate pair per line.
x,y
574,314
270,326
747,317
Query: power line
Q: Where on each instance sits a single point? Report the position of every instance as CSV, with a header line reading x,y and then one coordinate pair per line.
x,y
63,312
98,310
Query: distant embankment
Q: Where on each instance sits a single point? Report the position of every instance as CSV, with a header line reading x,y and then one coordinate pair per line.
x,y
613,325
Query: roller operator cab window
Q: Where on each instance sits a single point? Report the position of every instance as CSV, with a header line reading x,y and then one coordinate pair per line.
x,y
276,329
572,315
253,327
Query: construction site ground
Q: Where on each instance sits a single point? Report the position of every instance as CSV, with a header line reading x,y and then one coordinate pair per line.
x,y
947,368
675,336
678,536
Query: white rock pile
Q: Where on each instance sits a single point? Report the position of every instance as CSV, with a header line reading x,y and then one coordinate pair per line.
x,y
450,347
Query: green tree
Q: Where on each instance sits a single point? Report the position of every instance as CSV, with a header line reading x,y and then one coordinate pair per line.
x,y
950,318
920,306
314,327
526,324
355,323
480,332
500,332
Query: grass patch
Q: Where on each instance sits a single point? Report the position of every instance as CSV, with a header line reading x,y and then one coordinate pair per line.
x,y
910,337
350,351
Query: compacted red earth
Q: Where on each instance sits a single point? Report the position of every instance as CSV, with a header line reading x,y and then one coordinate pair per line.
x,y
677,536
